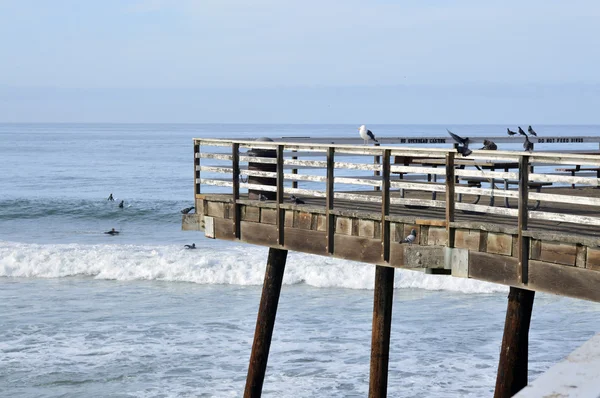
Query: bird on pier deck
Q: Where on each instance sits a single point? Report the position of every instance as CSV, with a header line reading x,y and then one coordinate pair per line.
x,y
295,200
411,237
510,132
528,145
531,132
489,145
522,132
366,134
187,210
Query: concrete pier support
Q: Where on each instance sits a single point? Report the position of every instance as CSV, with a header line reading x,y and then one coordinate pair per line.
x,y
382,324
265,322
512,367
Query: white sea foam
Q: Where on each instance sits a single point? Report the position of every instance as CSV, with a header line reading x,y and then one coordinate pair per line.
x,y
241,265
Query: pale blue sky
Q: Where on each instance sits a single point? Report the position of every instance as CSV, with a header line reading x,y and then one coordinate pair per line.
x,y
324,61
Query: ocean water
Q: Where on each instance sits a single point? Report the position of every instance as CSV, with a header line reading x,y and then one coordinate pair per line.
x,y
83,313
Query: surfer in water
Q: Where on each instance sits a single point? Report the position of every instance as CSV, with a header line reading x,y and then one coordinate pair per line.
x,y
192,246
112,232
110,197
121,204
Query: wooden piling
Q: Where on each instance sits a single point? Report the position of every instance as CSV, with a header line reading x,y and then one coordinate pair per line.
x,y
265,321
380,338
512,366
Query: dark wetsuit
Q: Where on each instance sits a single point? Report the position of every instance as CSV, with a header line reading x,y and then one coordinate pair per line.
x,y
192,246
112,232
110,197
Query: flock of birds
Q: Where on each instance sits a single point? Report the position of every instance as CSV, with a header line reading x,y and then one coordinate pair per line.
x,y
462,146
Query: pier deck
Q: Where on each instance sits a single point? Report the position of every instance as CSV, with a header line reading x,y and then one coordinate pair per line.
x,y
497,216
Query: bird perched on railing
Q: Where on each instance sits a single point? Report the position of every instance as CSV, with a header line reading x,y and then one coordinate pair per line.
x,y
510,132
187,210
366,134
296,200
410,238
531,132
528,145
463,144
489,145
522,132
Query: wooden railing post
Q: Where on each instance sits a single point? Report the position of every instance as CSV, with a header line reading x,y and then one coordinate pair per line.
x,y
235,155
329,195
280,194
523,216
294,171
385,206
196,167
450,197
376,160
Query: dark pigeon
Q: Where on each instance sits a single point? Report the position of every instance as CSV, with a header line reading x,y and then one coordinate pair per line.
x,y
489,145
296,200
522,132
410,238
531,132
510,132
458,139
187,210
464,150
528,145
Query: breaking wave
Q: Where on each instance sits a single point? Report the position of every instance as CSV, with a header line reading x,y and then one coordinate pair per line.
x,y
241,265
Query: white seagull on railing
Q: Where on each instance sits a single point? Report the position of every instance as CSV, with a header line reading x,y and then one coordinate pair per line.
x,y
366,134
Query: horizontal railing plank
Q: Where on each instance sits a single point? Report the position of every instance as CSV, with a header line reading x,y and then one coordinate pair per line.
x,y
561,217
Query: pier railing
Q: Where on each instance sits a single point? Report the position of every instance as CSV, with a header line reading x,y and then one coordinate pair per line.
x,y
503,183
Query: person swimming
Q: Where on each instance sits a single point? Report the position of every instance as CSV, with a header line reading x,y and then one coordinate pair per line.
x,y
192,246
112,232
110,197
121,204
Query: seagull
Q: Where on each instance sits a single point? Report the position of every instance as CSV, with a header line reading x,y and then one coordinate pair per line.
x,y
531,132
187,210
366,134
510,132
489,145
296,200
458,139
522,132
410,238
528,145
192,246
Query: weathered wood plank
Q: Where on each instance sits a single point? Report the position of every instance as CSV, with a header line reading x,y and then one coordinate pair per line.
x,y
466,239
358,249
561,217
559,253
494,268
499,243
259,234
564,280
593,259
224,229
314,242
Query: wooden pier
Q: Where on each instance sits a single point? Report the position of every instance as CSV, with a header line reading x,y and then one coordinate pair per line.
x,y
359,202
